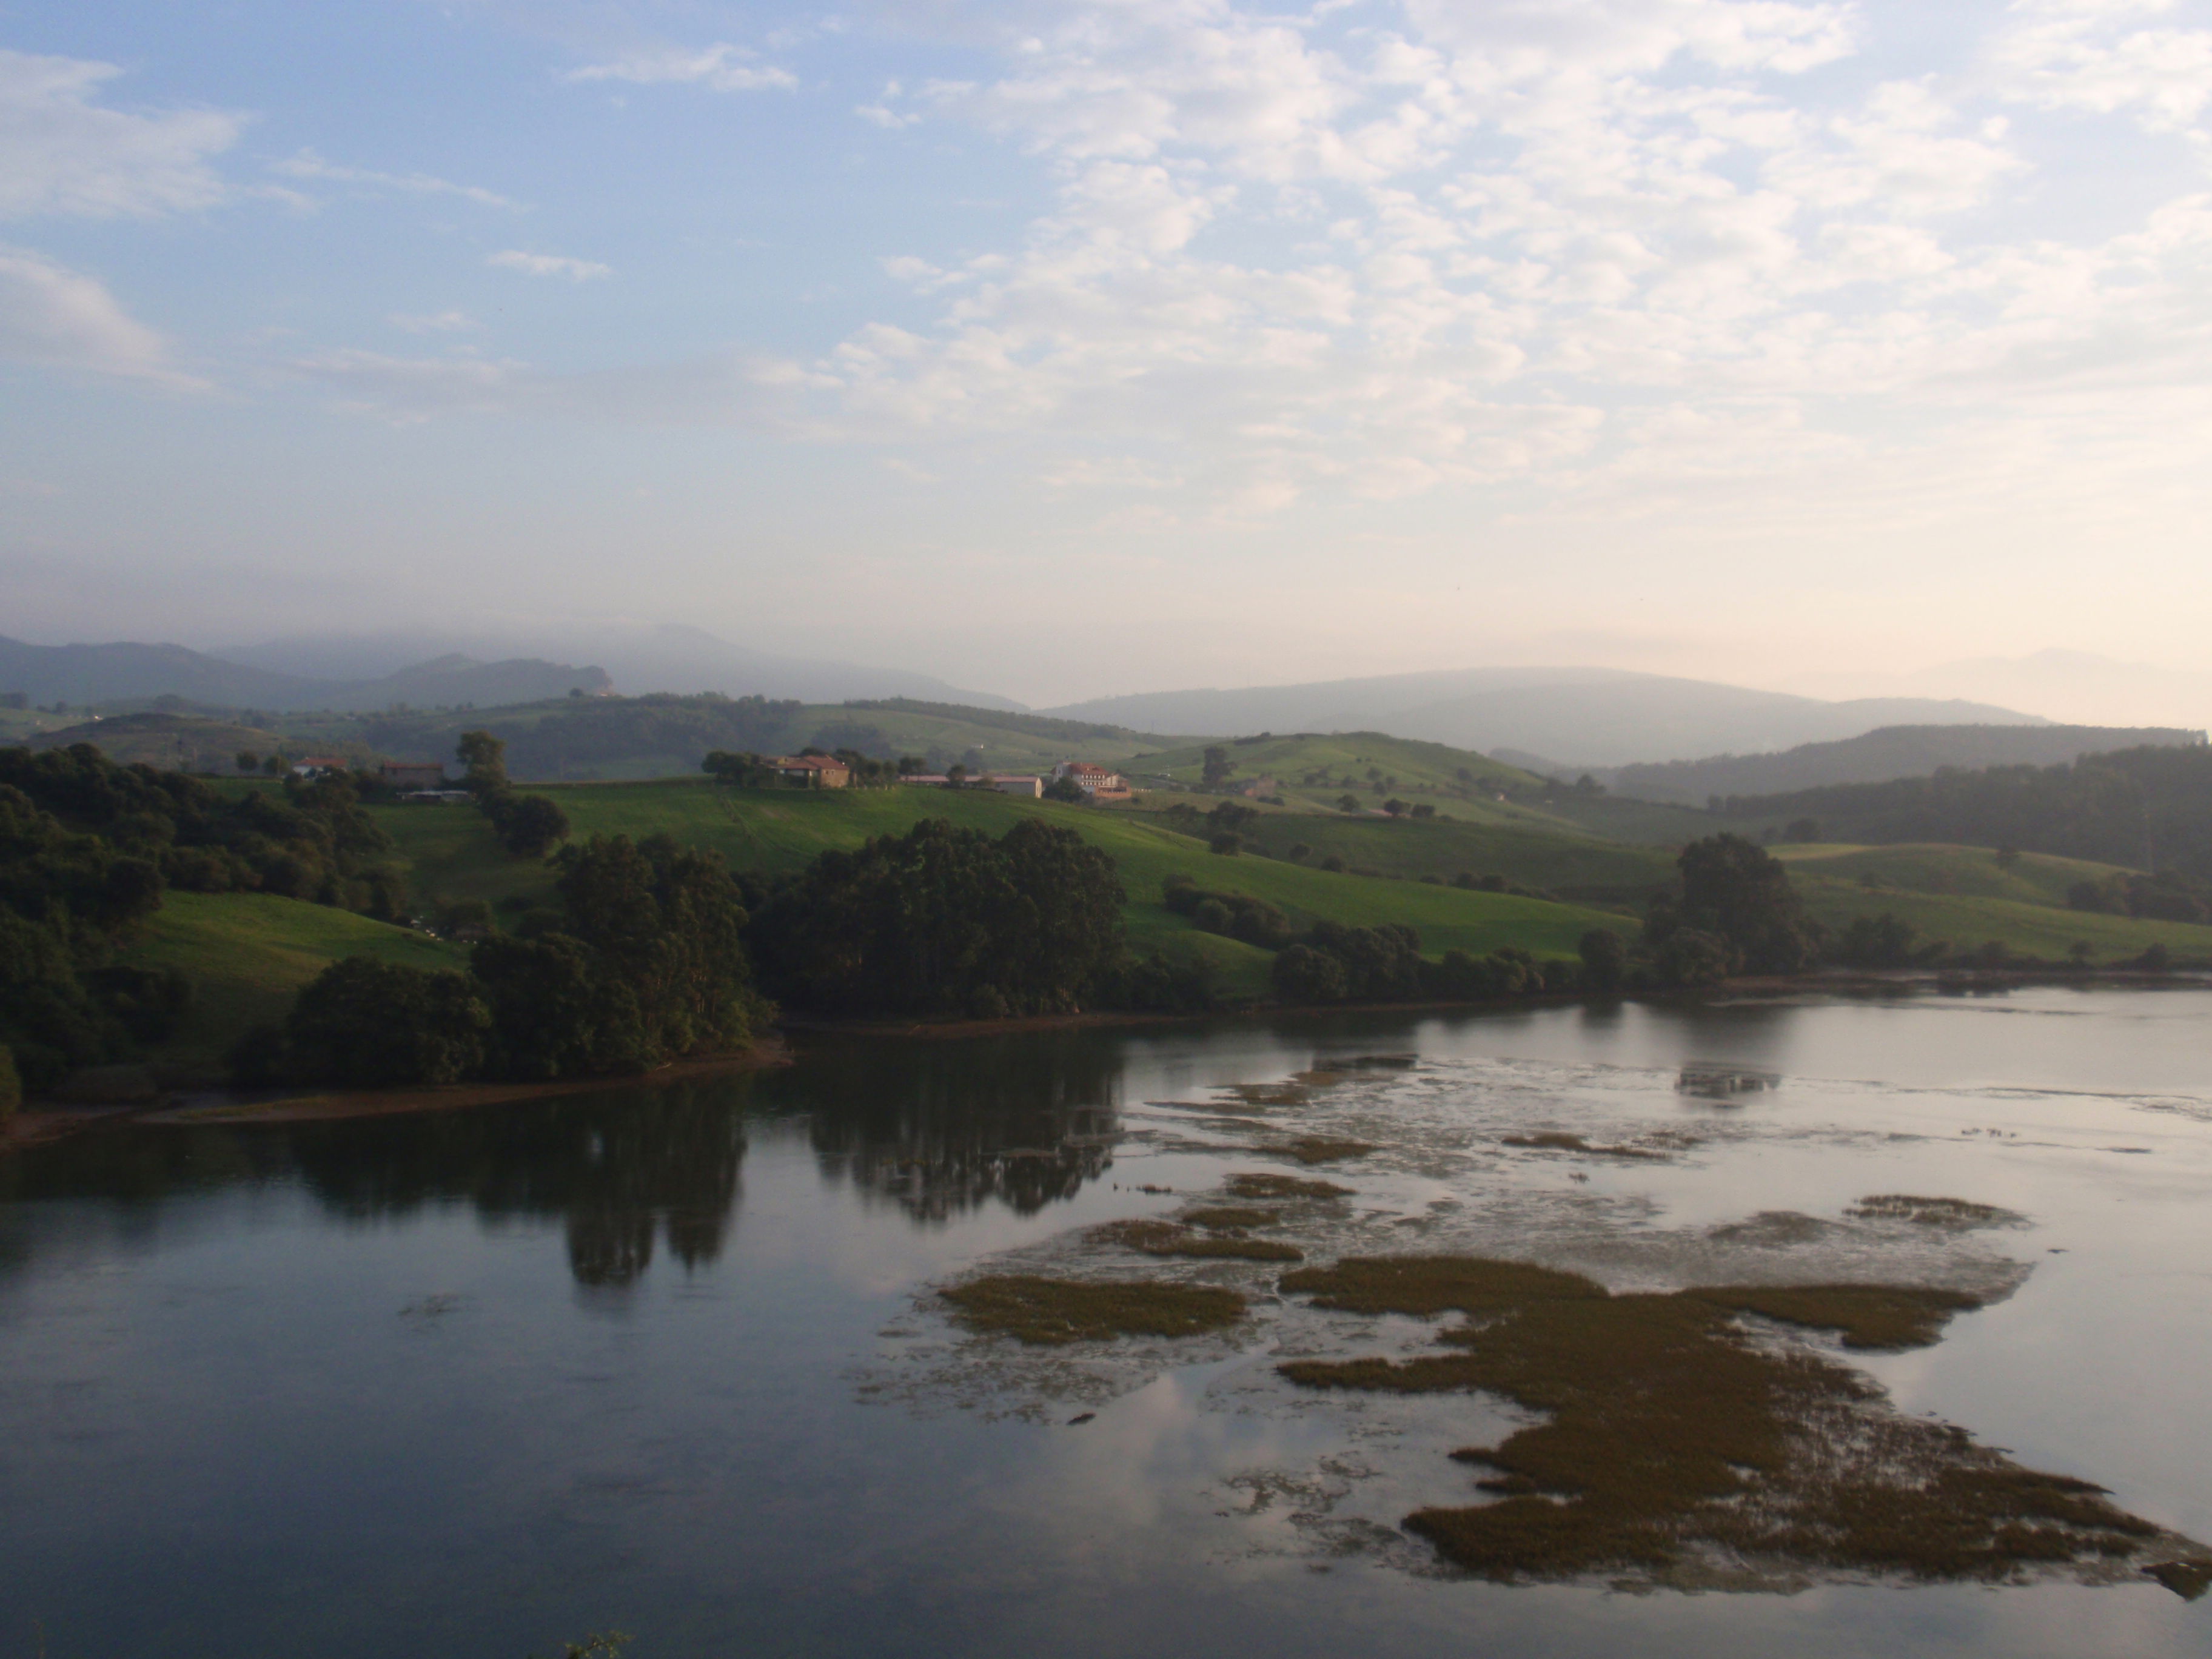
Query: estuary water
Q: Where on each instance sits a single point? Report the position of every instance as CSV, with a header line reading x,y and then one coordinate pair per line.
x,y
667,1360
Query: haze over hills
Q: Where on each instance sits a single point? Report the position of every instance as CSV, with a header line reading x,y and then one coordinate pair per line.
x,y
1878,756
1583,716
2067,685
77,674
670,657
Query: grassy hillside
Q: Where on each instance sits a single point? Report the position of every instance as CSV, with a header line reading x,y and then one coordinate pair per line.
x,y
1325,765
453,855
248,954
2039,929
1963,871
1558,858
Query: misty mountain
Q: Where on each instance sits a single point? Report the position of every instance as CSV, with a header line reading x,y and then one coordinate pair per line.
x,y
77,674
1892,751
2072,685
1593,717
637,660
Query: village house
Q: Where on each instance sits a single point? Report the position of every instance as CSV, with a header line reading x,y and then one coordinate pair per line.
x,y
412,775
1096,782
811,771
313,766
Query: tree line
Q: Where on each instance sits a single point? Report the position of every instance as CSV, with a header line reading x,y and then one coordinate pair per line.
x,y
2150,808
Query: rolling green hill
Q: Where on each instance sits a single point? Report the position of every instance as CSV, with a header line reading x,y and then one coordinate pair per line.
x,y
452,855
1556,858
1324,765
248,954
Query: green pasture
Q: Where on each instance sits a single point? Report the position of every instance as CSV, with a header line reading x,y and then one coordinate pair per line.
x,y
1967,922
1425,768
248,954
1962,871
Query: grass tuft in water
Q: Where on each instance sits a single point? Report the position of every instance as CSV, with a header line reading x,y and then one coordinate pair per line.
x,y
1253,1184
1230,1216
1032,1308
1166,1238
1957,1213
1319,1149
1669,1430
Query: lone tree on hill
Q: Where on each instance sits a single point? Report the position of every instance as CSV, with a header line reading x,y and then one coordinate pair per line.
x,y
1218,768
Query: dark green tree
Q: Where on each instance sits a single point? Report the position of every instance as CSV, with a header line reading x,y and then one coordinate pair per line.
x,y
667,924
1218,768
1605,959
381,1025
943,919
1740,894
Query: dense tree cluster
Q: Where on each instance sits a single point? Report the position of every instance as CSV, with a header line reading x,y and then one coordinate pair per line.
x,y
944,920
1236,916
644,964
2165,895
311,840
1336,963
2149,807
1737,894
66,899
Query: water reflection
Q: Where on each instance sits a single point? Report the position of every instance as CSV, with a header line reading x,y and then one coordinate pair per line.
x,y
937,1129
941,1129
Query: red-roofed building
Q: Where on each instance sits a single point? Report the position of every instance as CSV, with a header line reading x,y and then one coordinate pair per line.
x,y
1096,782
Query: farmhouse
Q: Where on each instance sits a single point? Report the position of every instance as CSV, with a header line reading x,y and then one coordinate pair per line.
x,y
811,771
1095,781
412,775
313,766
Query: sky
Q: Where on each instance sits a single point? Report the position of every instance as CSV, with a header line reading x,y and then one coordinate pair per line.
x,y
1073,347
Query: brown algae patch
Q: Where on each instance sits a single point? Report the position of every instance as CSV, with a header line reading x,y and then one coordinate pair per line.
x,y
1032,1308
1253,1184
1166,1238
1556,1140
1322,1149
1673,1435
1232,1217
1956,1214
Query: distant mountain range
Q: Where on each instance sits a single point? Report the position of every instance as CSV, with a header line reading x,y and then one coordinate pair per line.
x,y
2069,686
428,670
81,674
637,660
1589,717
1877,757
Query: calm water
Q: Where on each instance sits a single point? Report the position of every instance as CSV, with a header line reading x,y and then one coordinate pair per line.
x,y
661,1359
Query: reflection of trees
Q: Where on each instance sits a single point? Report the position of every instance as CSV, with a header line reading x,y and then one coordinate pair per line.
x,y
939,1128
622,1169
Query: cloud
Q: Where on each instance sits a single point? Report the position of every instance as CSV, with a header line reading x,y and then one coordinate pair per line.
x,y
54,318
719,68
549,264
61,152
308,165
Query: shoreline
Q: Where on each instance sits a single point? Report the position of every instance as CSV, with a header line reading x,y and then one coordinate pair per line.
x,y
44,1122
